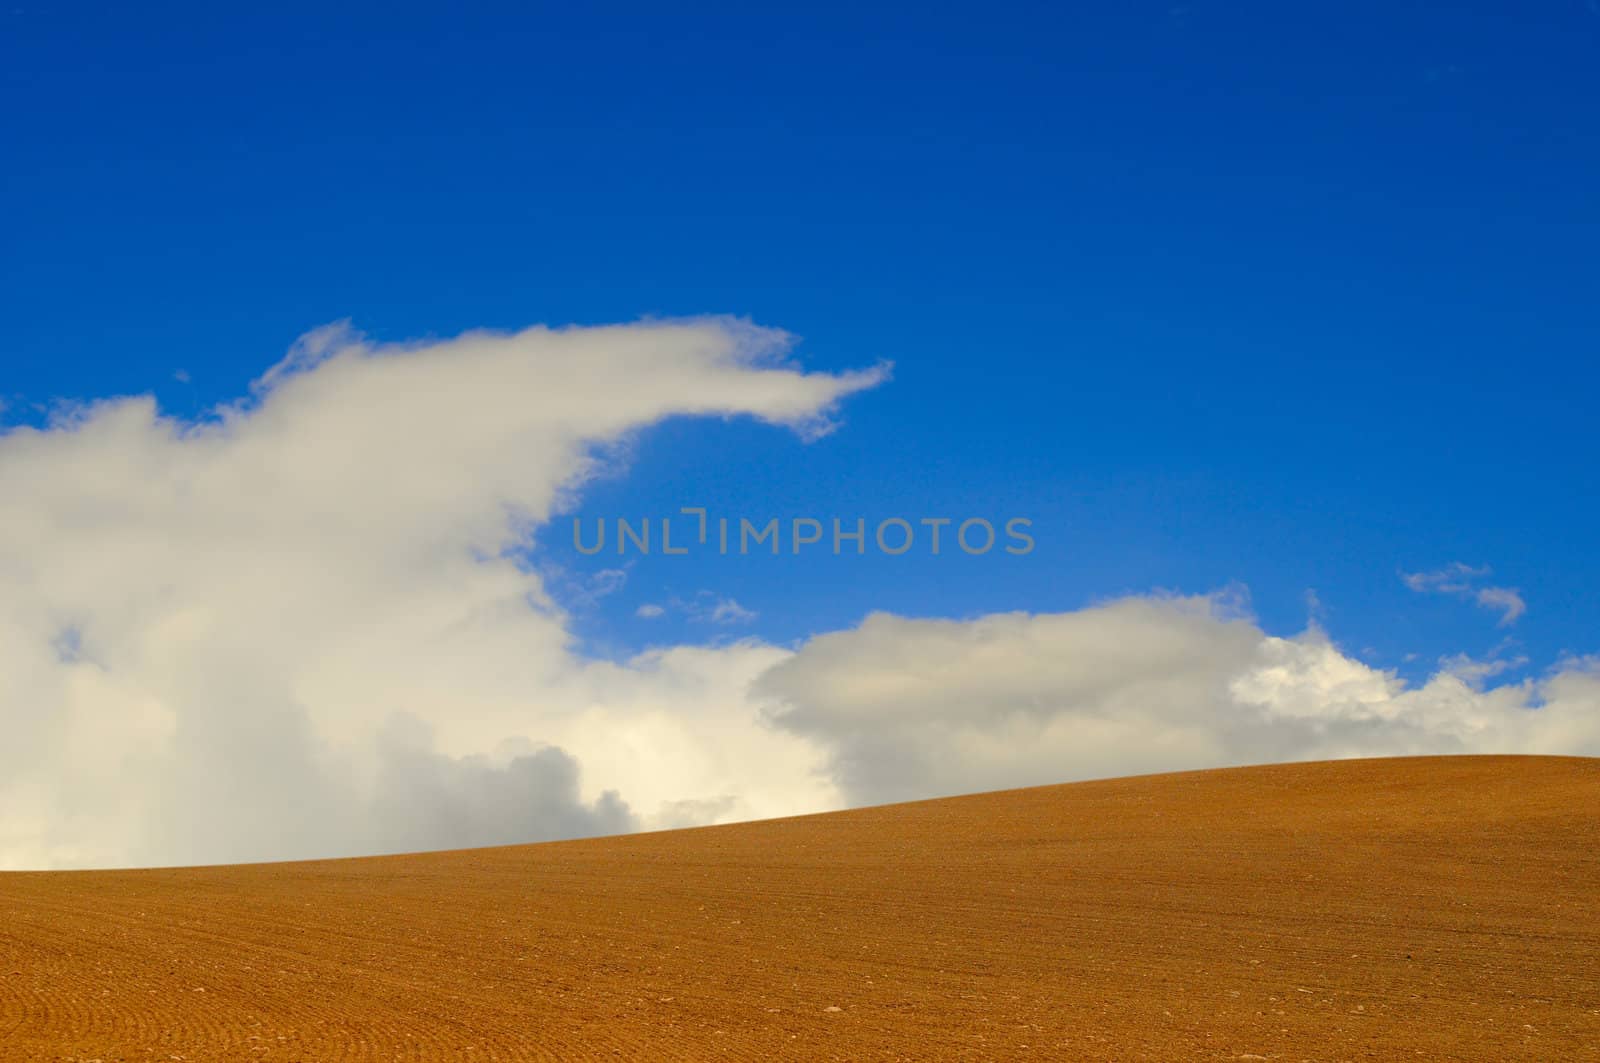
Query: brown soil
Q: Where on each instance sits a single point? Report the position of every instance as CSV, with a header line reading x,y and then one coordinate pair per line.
x,y
1387,909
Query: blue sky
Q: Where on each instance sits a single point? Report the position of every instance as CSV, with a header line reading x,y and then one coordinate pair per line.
x,y
1294,298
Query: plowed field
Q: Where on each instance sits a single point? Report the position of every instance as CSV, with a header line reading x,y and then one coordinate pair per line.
x,y
1386,909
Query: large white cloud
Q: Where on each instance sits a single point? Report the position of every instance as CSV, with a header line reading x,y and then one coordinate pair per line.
x,y
298,627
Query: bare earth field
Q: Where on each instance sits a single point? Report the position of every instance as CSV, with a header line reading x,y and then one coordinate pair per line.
x,y
1434,908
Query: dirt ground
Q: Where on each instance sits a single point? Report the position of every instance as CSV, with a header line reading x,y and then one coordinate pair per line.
x,y
1432,909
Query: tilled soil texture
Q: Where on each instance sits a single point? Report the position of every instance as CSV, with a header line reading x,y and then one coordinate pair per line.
x,y
1431,908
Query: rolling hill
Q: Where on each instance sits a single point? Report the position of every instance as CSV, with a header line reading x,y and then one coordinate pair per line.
x,y
1428,908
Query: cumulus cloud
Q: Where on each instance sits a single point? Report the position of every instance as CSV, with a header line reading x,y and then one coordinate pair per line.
x,y
209,630
1464,581
911,708
307,625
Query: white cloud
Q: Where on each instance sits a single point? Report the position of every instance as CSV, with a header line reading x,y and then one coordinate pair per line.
x,y
1461,580
1454,578
913,708
1475,671
302,628
728,611
706,607
709,607
275,632
1507,599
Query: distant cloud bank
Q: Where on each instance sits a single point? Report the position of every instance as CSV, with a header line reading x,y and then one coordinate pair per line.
x,y
913,708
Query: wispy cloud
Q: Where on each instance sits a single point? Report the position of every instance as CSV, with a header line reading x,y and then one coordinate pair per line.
x,y
1507,599
726,611
706,607
1474,671
1464,581
1454,578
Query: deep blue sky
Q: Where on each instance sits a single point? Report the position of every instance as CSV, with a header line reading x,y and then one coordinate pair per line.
x,y
1296,296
